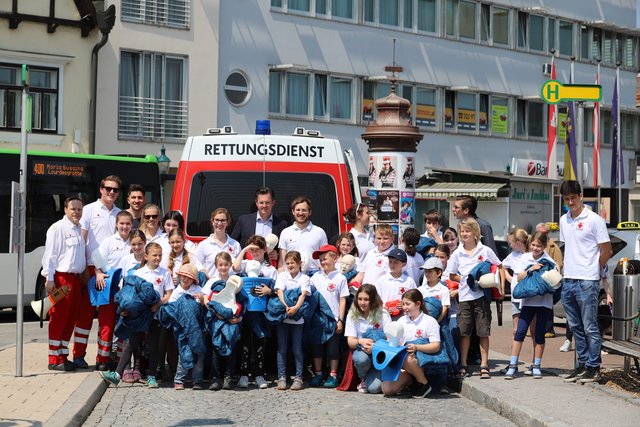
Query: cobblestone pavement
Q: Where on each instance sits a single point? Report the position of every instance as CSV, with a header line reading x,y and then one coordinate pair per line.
x,y
137,405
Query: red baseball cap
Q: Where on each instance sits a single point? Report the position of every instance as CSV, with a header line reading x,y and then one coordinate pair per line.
x,y
323,249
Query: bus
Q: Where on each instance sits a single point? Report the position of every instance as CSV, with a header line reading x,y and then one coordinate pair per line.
x,y
224,169
52,177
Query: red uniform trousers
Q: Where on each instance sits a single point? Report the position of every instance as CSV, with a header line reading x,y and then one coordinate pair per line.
x,y
63,317
84,321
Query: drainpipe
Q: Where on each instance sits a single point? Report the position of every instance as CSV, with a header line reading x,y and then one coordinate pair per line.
x,y
106,20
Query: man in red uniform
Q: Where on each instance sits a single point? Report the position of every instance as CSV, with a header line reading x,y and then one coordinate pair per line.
x,y
62,263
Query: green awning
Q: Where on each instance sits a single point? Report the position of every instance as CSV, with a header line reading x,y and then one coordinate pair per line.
x,y
449,190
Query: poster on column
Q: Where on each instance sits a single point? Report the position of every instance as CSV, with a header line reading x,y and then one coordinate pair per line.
x,y
373,171
388,171
387,203
407,207
408,176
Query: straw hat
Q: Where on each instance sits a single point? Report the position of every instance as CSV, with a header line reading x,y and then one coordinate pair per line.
x,y
189,270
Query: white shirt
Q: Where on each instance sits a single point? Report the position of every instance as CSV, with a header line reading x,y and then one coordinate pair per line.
x,y
263,228
390,288
545,300
99,222
413,266
462,263
64,249
157,238
439,291
179,291
581,237
208,249
512,261
304,240
177,263
332,287
113,249
163,241
127,262
375,265
364,242
356,328
286,283
424,326
160,278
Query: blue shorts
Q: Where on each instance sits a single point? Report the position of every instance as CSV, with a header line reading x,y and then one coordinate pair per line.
x,y
515,308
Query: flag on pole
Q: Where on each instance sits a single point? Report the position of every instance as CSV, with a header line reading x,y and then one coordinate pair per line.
x,y
617,166
597,179
552,132
570,147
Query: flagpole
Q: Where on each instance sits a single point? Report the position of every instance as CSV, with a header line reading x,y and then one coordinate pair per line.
x,y
579,111
597,144
619,145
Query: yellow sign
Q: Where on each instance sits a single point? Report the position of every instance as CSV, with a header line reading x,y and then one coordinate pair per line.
x,y
554,92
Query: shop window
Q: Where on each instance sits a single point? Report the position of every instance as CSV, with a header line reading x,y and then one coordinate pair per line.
x,y
466,111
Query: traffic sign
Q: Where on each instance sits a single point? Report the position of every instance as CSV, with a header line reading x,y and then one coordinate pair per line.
x,y
554,92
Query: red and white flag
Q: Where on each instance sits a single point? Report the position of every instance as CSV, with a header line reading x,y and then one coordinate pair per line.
x,y
597,179
552,132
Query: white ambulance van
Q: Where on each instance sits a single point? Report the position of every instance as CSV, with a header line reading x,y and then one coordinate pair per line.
x,y
222,169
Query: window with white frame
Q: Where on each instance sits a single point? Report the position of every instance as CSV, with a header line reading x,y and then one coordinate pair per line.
x,y
321,8
531,32
530,120
311,95
566,37
628,130
43,87
382,12
494,24
169,13
152,102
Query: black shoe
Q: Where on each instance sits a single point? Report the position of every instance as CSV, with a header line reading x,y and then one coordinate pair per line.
x,y
101,366
420,390
575,375
215,384
226,383
591,375
67,366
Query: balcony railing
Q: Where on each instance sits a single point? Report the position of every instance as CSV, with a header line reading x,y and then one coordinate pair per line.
x,y
152,119
168,13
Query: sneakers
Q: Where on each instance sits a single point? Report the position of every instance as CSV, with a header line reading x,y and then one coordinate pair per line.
x,y
261,382
102,366
111,377
127,376
178,386
575,375
421,390
226,384
331,382
316,381
282,384
362,387
550,334
566,346
137,376
81,363
536,373
198,386
151,382
511,372
297,384
66,366
591,375
215,384
243,382
528,372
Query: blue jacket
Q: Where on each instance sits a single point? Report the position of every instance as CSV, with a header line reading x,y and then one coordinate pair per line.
x,y
224,335
424,244
533,284
185,316
478,271
434,306
136,297
256,320
319,322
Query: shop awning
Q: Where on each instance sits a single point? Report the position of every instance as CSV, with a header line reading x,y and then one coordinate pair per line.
x,y
448,190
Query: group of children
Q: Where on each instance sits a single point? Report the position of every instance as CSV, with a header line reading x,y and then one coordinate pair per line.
x,y
384,284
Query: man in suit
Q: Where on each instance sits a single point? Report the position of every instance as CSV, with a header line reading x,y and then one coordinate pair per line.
x,y
262,222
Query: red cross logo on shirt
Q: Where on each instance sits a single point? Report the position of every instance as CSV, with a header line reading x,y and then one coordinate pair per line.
x,y
158,280
419,333
331,287
379,263
580,225
230,249
437,296
402,291
376,326
480,258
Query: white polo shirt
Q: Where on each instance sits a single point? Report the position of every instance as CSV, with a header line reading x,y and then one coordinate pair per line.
x,y
64,249
462,263
356,328
364,242
99,222
332,287
545,300
113,249
160,278
304,240
512,261
209,248
375,265
412,269
581,237
439,291
424,326
287,283
179,291
391,288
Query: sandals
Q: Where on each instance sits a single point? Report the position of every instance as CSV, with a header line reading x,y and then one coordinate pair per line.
x,y
511,372
485,374
462,373
536,372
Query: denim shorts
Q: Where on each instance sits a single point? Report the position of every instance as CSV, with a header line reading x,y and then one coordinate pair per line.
x,y
515,308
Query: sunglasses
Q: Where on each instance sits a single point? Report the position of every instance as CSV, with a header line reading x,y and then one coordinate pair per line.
x,y
150,216
111,189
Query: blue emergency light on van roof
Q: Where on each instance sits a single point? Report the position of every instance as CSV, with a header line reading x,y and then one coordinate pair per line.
x,y
263,127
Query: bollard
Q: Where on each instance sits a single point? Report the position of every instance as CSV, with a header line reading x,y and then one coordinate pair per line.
x,y
626,297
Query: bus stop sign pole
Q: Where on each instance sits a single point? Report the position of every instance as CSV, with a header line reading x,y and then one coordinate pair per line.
x,y
24,128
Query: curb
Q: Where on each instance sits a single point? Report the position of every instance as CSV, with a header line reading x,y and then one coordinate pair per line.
x,y
80,404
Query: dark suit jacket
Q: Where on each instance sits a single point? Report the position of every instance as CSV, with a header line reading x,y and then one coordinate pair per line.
x,y
246,227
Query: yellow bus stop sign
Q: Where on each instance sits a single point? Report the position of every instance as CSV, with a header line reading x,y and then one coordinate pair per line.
x,y
554,92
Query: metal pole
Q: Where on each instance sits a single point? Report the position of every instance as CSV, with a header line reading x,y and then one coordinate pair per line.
x,y
22,220
619,147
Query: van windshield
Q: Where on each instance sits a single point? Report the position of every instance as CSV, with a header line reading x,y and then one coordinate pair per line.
x,y
235,191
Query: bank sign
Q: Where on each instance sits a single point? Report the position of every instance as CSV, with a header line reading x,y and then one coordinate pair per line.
x,y
533,168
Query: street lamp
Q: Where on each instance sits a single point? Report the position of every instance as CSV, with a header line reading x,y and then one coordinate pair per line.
x,y
164,162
